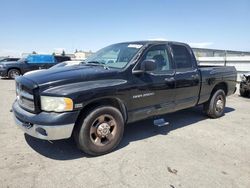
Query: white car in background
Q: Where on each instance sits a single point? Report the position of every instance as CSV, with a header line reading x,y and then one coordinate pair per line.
x,y
59,65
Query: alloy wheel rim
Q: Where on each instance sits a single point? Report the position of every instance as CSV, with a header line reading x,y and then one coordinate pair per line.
x,y
219,105
14,74
103,130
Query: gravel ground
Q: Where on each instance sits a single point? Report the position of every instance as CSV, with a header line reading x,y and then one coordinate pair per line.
x,y
193,151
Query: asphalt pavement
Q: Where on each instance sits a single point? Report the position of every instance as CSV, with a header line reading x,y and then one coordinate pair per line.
x,y
193,151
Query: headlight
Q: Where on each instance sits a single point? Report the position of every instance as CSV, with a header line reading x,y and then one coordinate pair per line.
x,y
243,78
1,66
56,104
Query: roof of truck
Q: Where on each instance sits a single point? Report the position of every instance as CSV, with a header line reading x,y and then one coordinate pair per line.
x,y
144,42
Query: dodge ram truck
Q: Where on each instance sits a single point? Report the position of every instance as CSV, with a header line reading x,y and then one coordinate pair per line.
x,y
119,84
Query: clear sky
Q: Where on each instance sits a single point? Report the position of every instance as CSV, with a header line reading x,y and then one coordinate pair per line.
x,y
48,25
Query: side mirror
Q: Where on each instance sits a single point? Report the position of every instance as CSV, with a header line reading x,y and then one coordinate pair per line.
x,y
148,65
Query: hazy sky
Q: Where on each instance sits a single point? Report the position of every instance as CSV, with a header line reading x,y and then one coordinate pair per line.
x,y
48,25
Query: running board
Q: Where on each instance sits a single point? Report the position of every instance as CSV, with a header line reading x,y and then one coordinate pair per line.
x,y
160,122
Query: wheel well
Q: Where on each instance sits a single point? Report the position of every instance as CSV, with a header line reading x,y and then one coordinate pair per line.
x,y
222,86
101,102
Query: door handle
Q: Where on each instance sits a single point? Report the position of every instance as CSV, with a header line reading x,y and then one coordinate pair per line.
x,y
170,82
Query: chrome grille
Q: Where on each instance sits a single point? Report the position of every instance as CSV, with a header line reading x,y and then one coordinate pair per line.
x,y
25,97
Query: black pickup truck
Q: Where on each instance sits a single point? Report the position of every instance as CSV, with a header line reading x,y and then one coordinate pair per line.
x,y
120,84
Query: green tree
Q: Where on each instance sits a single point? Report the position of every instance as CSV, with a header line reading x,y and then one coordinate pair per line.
x,y
34,52
63,53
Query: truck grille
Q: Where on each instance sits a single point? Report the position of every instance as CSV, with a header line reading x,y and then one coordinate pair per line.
x,y
25,97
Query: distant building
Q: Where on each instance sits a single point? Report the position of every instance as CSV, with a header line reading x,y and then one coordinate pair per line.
x,y
82,55
203,52
72,56
78,55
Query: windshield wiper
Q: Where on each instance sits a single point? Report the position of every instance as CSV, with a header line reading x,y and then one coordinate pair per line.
x,y
96,63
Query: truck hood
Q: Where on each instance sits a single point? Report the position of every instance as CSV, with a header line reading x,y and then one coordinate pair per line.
x,y
67,75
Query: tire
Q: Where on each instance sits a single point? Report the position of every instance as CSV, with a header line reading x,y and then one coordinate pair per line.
x,y
215,107
12,73
100,131
243,93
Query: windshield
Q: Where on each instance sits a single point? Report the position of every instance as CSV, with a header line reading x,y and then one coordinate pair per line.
x,y
116,55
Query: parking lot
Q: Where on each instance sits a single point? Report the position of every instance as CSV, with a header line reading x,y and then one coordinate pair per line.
x,y
193,151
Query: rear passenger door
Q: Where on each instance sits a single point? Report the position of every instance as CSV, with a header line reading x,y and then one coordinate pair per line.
x,y
187,77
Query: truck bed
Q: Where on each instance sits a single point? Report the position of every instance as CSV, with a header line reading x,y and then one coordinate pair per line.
x,y
213,75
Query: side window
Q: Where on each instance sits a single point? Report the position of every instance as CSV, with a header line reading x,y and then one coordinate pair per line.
x,y
160,54
31,59
47,59
182,57
40,59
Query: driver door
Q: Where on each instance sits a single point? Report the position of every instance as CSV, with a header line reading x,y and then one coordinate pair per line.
x,y
153,92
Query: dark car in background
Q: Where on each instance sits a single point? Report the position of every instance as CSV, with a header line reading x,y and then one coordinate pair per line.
x,y
11,69
59,65
245,85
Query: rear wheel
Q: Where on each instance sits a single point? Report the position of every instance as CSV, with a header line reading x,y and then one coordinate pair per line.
x,y
100,131
214,108
12,73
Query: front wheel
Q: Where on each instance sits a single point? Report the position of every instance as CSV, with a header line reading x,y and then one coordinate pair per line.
x,y
214,108
12,73
100,131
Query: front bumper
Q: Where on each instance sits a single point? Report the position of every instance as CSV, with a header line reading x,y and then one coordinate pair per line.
x,y
46,126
